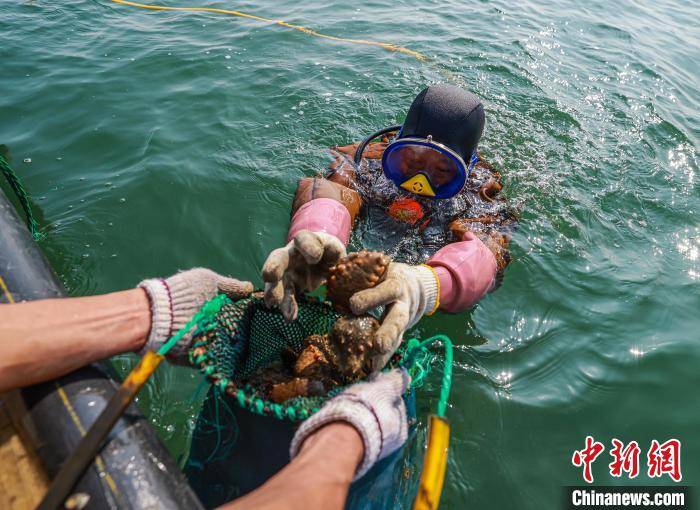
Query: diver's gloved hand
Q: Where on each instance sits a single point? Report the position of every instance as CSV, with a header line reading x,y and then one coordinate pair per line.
x,y
375,408
301,266
409,292
175,300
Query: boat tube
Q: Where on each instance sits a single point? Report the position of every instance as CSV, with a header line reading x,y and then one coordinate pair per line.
x,y
133,470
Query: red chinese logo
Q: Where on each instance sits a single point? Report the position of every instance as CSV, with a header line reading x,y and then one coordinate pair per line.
x,y
665,459
625,459
662,459
587,456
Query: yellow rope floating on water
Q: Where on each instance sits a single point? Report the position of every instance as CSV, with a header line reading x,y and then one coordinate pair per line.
x,y
308,31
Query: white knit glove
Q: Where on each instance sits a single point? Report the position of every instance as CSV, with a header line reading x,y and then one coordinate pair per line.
x,y
175,300
409,293
375,408
301,266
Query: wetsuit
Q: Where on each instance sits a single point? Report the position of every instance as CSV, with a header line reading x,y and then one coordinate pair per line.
x,y
465,238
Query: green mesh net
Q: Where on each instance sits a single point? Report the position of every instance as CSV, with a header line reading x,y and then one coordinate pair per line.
x,y
232,341
235,339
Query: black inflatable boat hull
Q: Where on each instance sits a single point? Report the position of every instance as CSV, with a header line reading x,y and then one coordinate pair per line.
x,y
134,470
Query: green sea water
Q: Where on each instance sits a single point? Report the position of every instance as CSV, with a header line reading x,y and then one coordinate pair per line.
x,y
153,142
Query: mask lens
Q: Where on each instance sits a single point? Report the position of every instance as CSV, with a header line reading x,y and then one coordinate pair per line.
x,y
443,171
410,160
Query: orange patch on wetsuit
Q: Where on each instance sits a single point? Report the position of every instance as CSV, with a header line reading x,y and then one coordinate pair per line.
x,y
406,210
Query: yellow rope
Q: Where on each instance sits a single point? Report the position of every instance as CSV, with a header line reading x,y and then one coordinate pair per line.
x,y
386,46
6,291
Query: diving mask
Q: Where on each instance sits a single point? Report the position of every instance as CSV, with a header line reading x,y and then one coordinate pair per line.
x,y
425,167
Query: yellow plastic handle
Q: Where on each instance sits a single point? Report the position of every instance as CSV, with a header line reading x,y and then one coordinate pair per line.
x,y
140,374
434,465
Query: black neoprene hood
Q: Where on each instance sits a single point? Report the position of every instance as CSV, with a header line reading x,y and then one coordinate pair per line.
x,y
453,116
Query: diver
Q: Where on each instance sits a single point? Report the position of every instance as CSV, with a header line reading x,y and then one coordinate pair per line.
x,y
429,200
44,339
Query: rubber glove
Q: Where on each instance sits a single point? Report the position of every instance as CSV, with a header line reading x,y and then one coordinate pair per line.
x,y
375,408
301,266
175,300
409,292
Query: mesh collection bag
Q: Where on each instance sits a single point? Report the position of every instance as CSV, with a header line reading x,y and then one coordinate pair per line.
x,y
245,336
241,438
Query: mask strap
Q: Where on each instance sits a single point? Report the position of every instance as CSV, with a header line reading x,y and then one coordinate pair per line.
x,y
473,161
363,145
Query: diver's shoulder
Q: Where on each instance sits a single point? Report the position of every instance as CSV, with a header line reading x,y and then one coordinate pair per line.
x,y
484,165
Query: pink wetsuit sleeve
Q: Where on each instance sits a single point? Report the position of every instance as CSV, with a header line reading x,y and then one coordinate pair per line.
x,y
322,215
466,270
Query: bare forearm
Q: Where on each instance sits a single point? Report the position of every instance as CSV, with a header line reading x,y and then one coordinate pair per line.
x,y
41,340
319,477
